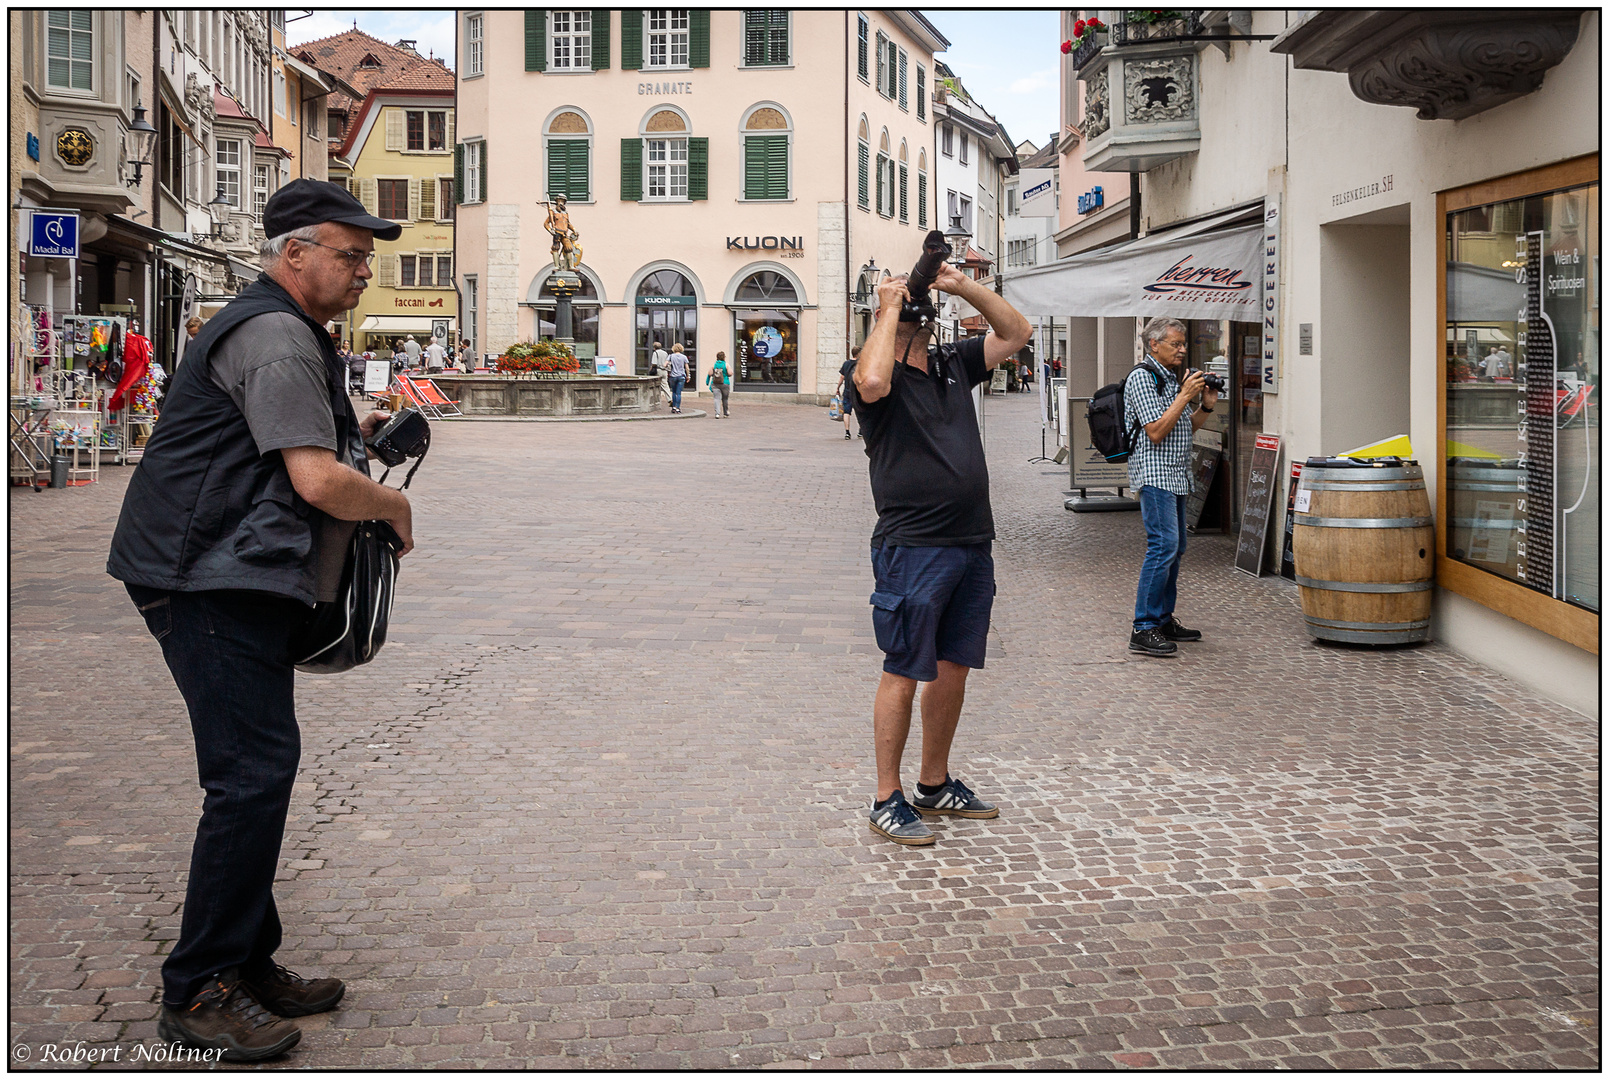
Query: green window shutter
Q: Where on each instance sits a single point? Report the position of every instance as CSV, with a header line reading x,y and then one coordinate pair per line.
x,y
753,38
921,200
483,172
458,175
631,43
863,48
698,38
904,83
904,184
698,164
600,39
776,167
581,170
536,40
558,168
765,167
630,164
865,180
921,92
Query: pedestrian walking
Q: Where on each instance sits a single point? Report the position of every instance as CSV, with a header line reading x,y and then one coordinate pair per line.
x,y
846,389
399,355
677,376
435,357
237,519
931,547
1155,400
411,347
719,382
659,364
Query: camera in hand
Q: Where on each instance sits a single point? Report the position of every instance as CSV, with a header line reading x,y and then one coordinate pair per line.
x,y
919,308
1214,382
405,435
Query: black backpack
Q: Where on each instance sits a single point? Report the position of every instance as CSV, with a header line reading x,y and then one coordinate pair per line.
x,y
1105,414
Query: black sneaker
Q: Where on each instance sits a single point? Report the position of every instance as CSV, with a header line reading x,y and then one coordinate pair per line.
x,y
847,437
226,1017
1151,643
285,993
896,820
1174,630
955,799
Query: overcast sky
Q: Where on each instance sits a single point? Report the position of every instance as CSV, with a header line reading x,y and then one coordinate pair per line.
x,y
1007,59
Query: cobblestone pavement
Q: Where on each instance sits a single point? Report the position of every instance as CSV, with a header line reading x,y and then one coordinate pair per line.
x,y
601,800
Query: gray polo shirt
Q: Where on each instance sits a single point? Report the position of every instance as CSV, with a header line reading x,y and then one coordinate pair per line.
x,y
272,368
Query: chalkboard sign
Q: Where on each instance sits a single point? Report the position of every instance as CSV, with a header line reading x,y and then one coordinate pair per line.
x,y
1260,484
1287,561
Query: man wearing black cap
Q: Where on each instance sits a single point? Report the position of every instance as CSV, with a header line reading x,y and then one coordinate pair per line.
x,y
236,521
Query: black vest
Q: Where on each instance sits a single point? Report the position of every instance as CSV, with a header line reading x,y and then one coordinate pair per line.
x,y
205,510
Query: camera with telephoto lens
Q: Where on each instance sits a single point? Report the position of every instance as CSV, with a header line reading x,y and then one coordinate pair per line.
x,y
1214,382
919,308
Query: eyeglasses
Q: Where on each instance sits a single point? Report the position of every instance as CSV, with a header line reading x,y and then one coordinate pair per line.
x,y
350,256
1175,344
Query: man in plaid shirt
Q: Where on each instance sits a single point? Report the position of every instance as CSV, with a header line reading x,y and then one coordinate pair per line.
x,y
1159,469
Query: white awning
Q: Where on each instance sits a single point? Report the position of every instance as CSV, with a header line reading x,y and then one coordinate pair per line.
x,y
1199,271
402,324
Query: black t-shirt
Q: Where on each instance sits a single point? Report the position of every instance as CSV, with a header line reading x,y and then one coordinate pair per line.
x,y
848,373
930,482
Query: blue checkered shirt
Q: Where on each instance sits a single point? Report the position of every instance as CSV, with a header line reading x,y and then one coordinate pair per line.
x,y
1166,464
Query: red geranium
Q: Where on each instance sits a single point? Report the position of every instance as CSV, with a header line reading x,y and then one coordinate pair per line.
x,y
1067,46
1078,28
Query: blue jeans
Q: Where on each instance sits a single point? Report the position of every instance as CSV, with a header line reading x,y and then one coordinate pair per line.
x,y
1163,515
229,652
676,384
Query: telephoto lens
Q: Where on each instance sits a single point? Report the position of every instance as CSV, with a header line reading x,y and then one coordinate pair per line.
x,y
1214,382
919,308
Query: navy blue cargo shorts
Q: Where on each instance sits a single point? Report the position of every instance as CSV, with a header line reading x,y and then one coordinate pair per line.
x,y
932,604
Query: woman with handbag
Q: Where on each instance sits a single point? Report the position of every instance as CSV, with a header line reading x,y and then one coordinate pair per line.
x,y
719,382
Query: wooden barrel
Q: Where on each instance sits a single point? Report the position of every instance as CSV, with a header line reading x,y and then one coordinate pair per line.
x,y
1365,551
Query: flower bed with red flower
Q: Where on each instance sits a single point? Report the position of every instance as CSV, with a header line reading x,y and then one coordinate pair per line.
x,y
546,357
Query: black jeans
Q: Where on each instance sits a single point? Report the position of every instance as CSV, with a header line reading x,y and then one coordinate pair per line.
x,y
229,652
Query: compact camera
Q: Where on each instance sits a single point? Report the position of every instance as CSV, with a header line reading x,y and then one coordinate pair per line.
x,y
405,435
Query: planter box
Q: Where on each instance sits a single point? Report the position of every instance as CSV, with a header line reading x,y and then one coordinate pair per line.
x,y
551,395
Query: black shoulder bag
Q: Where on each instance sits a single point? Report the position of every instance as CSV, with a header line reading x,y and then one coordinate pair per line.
x,y
350,629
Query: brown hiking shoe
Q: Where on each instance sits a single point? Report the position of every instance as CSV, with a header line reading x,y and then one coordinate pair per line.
x,y
285,993
225,1017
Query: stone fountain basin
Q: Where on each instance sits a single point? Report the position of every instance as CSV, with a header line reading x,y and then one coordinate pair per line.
x,y
524,395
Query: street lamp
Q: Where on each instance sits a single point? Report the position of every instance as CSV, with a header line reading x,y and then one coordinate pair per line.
x,y
218,210
957,237
144,137
865,284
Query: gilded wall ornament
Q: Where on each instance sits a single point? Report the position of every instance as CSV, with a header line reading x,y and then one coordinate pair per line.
x,y
75,146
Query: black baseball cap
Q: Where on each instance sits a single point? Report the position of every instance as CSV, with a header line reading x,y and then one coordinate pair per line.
x,y
312,202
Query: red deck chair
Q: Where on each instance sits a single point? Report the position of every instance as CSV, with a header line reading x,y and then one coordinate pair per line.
x,y
430,392
405,386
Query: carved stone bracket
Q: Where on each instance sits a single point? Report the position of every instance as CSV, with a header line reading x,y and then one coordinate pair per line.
x,y
198,98
1097,105
1446,64
1159,91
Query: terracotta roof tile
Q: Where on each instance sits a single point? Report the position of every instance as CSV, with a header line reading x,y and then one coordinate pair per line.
x,y
390,67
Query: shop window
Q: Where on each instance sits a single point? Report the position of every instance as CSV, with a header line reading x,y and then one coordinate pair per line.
x,y
766,349
70,49
570,40
667,312
584,316
1520,490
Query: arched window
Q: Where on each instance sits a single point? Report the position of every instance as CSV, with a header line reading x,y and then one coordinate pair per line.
x,y
584,313
665,163
567,140
767,149
921,189
767,288
666,303
885,177
863,151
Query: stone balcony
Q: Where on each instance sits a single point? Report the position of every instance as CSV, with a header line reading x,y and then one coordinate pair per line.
x,y
1142,95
